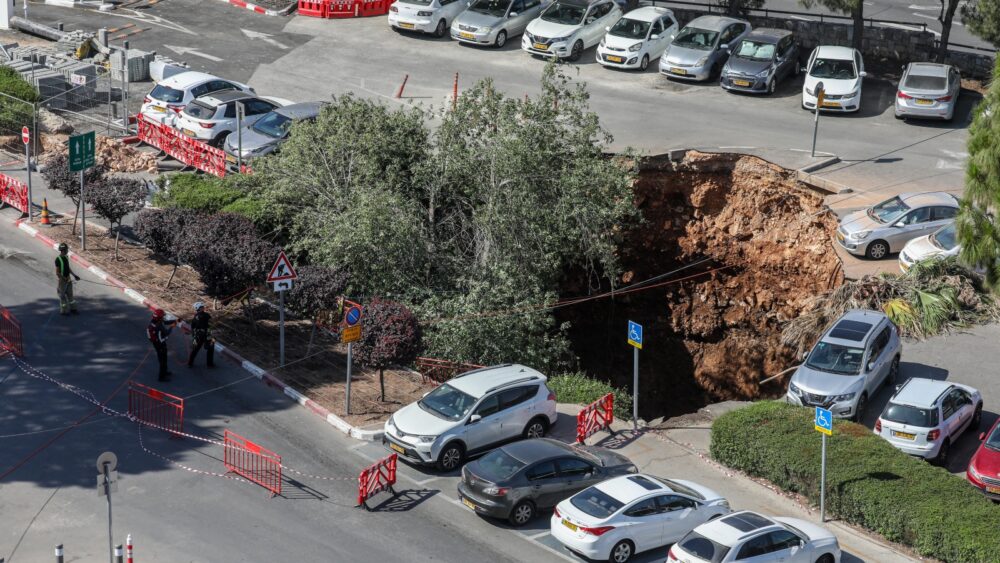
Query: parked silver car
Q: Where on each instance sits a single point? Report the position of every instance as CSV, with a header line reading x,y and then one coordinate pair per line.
x,y
887,227
268,133
855,356
759,61
928,90
701,48
492,22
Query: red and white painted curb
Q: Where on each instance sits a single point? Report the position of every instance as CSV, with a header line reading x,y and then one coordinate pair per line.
x,y
261,10
266,377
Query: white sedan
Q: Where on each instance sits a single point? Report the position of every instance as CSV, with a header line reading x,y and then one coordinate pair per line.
x,y
427,16
940,244
751,537
639,37
841,71
615,519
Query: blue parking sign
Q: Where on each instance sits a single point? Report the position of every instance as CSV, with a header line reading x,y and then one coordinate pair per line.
x,y
635,334
824,421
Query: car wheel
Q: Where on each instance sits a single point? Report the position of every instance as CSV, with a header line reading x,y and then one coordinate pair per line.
x,y
574,55
877,250
862,405
942,457
714,71
772,85
441,29
644,63
825,558
501,40
893,376
450,458
522,513
219,139
535,429
976,418
622,552
797,69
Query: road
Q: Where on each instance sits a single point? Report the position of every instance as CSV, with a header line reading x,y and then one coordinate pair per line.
x,y
48,477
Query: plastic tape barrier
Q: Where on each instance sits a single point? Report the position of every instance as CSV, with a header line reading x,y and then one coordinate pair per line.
x,y
595,417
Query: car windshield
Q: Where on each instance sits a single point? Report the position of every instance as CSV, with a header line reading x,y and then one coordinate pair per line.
x,y
755,50
596,503
447,402
912,416
166,94
495,8
498,465
922,82
694,38
835,69
273,125
565,14
945,238
631,29
200,110
703,548
993,441
418,2
836,358
889,210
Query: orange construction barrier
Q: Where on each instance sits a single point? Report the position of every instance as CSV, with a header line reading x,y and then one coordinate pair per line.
x,y
595,417
14,192
252,462
156,408
379,477
10,333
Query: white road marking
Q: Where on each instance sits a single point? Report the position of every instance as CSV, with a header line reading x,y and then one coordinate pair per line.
x,y
738,147
265,37
189,51
538,535
908,27
917,7
155,20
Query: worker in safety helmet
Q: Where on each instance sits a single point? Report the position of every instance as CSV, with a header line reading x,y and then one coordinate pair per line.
x,y
64,285
158,331
201,335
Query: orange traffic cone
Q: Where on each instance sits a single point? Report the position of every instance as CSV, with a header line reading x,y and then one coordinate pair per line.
x,y
45,212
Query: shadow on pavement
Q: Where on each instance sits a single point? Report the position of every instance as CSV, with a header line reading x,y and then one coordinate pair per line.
x,y
405,500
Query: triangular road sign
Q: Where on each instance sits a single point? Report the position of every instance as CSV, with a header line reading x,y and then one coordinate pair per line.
x,y
282,269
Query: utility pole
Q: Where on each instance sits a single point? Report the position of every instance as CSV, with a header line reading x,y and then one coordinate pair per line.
x,y
107,463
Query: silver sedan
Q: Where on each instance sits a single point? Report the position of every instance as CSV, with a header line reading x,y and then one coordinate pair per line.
x,y
492,22
928,90
887,227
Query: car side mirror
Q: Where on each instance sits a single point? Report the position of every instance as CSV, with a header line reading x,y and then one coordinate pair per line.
x,y
898,387
590,20
654,36
804,355
862,74
982,436
512,15
871,366
724,47
607,28
805,69
474,419
425,394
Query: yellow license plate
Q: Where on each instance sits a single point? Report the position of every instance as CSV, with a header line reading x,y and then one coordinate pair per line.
x,y
831,104
840,236
188,132
570,525
925,102
541,47
406,25
993,490
744,83
679,71
614,59
230,158
396,448
466,502
904,435
157,109
466,35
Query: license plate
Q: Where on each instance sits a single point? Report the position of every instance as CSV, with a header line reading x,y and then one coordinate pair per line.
x,y
396,448
157,109
466,35
925,102
744,83
993,490
541,47
406,25
903,435
679,71
188,132
840,236
831,104
614,59
466,502
230,158
570,525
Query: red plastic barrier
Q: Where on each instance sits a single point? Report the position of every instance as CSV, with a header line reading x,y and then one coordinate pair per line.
x,y
156,408
14,192
252,462
440,371
342,8
313,8
377,478
373,7
183,148
595,417
10,333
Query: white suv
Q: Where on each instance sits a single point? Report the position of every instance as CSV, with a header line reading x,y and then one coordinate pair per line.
x,y
751,537
471,413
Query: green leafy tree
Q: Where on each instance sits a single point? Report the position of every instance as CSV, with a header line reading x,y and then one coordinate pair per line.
x,y
59,177
114,198
740,7
390,334
982,18
853,8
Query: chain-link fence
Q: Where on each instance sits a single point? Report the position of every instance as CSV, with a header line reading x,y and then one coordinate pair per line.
x,y
15,114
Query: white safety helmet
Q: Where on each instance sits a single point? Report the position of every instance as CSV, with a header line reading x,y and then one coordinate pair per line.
x,y
198,306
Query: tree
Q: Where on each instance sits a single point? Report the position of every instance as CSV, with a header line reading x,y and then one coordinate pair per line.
x,y
114,198
390,335
853,8
59,177
228,254
982,18
161,230
946,16
317,293
978,227
740,8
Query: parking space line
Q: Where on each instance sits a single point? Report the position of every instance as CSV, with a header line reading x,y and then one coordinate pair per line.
x,y
538,535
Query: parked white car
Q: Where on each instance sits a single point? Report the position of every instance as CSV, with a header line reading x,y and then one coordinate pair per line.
x,y
941,244
615,519
427,16
639,37
472,413
170,96
567,27
754,538
925,417
842,72
212,117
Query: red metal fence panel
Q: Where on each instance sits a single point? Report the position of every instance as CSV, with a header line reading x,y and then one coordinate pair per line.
x,y
183,148
14,192
440,371
156,408
379,477
10,333
252,462
595,417
313,8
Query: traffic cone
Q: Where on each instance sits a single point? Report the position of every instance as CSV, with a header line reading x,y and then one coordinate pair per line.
x,y
45,212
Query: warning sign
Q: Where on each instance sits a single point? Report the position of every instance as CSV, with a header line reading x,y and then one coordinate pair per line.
x,y
282,269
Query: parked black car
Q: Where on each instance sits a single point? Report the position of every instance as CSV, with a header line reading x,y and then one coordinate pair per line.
x,y
760,61
517,480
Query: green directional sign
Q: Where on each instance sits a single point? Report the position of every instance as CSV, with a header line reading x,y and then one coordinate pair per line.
x,y
81,152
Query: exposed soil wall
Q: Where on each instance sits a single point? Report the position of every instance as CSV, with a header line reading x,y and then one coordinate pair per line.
x,y
755,245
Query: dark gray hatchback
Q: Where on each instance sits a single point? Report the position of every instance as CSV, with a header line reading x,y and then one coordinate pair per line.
x,y
760,61
516,481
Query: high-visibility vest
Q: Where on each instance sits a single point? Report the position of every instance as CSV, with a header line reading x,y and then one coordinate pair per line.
x,y
62,263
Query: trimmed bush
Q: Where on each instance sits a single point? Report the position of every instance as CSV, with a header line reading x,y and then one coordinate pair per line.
x,y
578,388
869,482
204,193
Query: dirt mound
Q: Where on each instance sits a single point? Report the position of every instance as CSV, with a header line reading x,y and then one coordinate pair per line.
x,y
754,246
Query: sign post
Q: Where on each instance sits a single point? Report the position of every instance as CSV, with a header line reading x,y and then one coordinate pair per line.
x,y
282,274
823,424
820,94
635,339
81,157
26,139
350,334
107,463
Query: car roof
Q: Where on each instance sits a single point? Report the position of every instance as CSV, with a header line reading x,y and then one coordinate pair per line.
x,y
713,23
302,110
530,451
481,381
768,33
929,69
929,198
920,392
854,327
188,79
629,488
223,96
734,528
834,52
581,3
647,13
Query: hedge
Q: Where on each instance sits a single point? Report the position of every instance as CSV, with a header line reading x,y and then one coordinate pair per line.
x,y
578,388
197,192
869,482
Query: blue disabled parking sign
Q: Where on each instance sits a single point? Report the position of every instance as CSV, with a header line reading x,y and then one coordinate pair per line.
x,y
824,421
635,334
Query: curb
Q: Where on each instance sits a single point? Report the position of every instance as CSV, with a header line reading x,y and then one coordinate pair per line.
x,y
260,10
263,375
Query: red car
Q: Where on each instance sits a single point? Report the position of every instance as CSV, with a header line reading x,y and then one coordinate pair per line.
x,y
984,468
